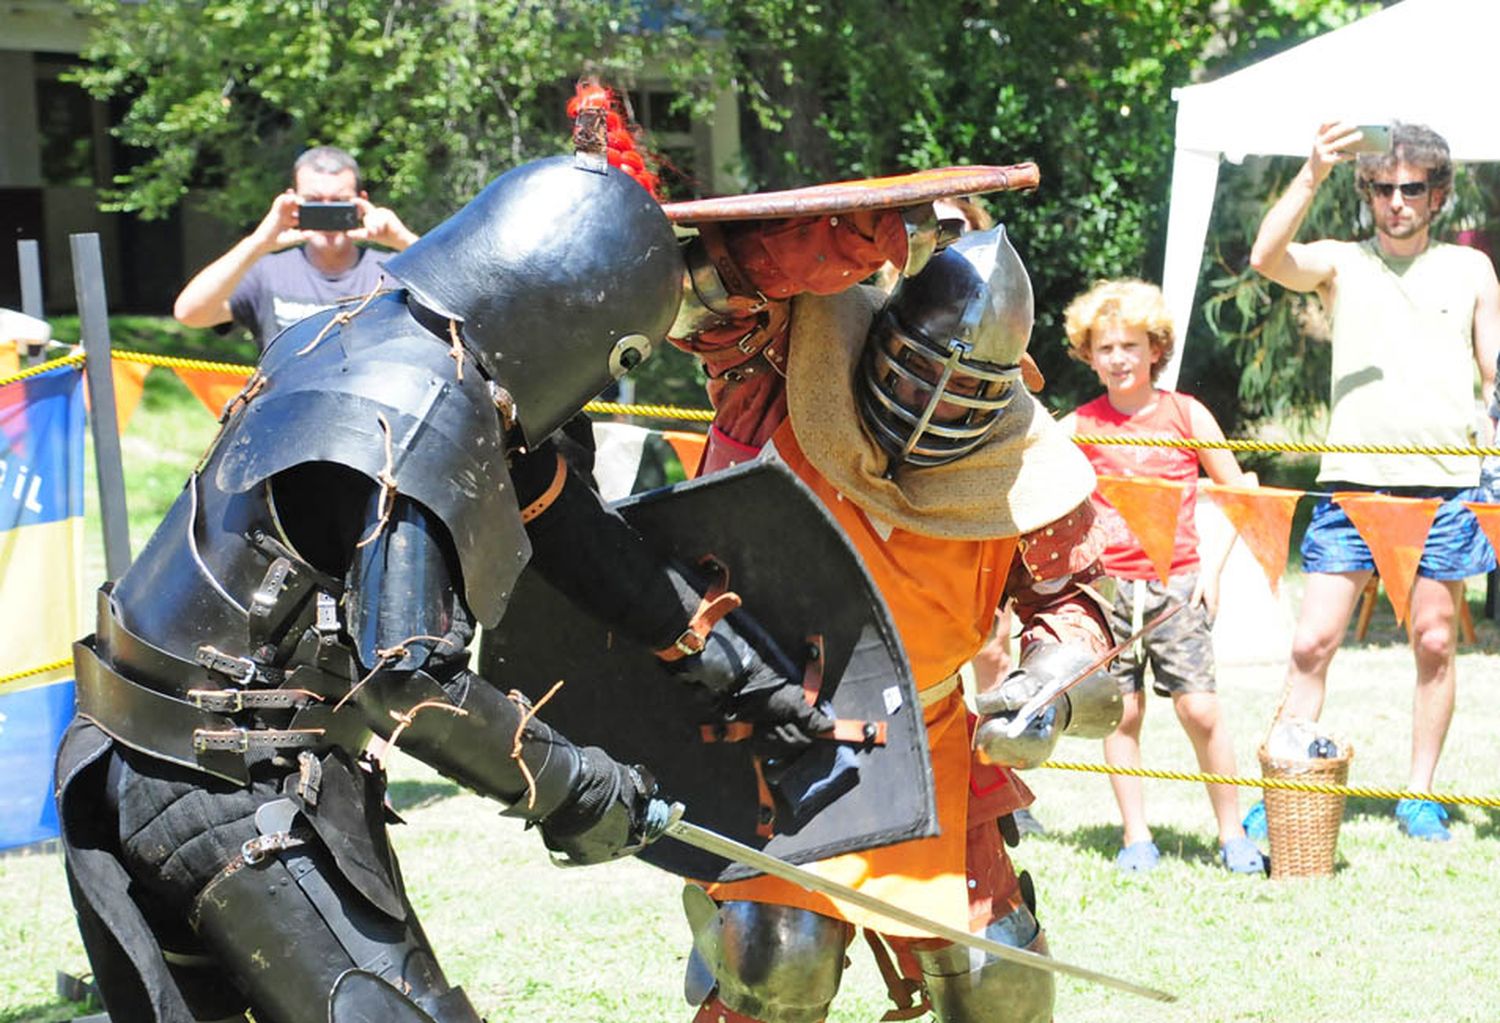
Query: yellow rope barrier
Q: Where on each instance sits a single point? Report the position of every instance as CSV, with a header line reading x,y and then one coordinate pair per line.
x,y
614,408
703,415
175,362
1277,783
28,672
1257,445
75,359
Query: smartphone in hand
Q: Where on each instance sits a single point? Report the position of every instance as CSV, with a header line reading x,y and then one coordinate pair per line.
x,y
327,216
1374,138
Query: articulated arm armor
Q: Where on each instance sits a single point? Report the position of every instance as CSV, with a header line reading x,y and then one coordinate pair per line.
x,y
1090,710
1063,629
411,632
739,277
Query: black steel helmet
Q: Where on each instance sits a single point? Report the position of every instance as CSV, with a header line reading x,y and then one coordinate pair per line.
x,y
563,275
951,336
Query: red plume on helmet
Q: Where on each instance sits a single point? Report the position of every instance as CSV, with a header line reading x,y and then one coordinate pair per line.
x,y
599,127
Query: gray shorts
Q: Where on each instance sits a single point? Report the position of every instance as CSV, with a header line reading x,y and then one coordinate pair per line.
x,y
1180,650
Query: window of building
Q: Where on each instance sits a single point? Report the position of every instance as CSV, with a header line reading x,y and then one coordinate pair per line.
x,y
66,124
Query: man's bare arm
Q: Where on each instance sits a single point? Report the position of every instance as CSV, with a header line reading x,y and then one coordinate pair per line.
x,y
204,302
1487,329
1275,255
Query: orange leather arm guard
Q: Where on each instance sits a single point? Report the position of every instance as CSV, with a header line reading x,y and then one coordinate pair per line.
x,y
1047,581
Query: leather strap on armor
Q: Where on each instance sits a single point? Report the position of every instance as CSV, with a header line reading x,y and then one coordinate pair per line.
x,y
157,723
717,601
906,994
548,496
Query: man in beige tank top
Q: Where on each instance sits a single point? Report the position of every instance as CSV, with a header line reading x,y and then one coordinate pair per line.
x,y
1411,319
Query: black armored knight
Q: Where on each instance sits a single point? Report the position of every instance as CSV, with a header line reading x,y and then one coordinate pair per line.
x,y
374,492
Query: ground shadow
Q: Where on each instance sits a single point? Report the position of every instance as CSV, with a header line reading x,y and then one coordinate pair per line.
x,y
1362,806
1104,840
59,1010
409,795
1486,820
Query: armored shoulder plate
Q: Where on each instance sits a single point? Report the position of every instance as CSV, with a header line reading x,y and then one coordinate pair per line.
x,y
383,396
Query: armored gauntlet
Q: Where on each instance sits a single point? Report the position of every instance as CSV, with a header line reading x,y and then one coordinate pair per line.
x,y
1089,710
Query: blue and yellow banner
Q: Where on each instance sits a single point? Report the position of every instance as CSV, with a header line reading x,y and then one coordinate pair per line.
x,y
41,565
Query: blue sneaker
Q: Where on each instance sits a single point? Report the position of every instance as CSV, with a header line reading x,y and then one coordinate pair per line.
x,y
1422,818
1138,858
1255,822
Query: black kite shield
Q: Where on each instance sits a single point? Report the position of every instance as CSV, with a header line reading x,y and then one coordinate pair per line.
x,y
800,578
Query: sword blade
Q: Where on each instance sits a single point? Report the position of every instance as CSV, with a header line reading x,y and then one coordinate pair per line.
x,y
1034,706
719,845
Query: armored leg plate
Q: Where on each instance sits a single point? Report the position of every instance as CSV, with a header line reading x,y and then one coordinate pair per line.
x,y
775,964
290,927
967,986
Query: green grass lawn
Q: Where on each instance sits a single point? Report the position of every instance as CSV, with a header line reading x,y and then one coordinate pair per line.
x,y
1402,932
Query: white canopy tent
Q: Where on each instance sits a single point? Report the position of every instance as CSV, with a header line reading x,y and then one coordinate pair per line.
x,y
1434,62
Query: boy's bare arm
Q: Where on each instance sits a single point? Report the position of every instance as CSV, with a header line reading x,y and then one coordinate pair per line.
x,y
1223,468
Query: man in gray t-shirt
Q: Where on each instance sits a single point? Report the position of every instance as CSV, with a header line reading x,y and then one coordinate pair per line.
x,y
265,285
285,287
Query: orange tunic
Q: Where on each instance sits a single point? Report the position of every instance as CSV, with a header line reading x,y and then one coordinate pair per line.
x,y
942,595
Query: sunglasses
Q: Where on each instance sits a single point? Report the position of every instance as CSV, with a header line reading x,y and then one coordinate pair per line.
x,y
1409,189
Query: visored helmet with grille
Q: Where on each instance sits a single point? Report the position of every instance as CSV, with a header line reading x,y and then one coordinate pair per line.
x,y
942,361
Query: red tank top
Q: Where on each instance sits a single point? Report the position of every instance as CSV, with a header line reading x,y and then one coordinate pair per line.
x,y
1168,417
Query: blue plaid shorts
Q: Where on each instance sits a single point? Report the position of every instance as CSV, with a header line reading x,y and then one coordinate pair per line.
x,y
1456,547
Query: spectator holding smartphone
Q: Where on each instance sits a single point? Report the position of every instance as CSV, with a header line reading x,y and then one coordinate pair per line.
x,y
1411,319
1121,329
283,271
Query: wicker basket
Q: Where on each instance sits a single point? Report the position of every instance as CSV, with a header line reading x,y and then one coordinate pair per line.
x,y
1304,826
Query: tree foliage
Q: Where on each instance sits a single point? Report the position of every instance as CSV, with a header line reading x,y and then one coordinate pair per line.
x,y
437,98
1080,87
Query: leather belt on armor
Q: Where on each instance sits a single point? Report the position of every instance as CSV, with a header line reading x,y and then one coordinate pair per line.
x,y
934,695
167,727
194,730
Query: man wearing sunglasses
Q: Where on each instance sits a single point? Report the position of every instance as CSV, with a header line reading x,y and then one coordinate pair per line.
x,y
1410,319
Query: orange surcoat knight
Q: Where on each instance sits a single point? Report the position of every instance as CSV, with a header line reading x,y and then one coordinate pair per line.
x,y
941,545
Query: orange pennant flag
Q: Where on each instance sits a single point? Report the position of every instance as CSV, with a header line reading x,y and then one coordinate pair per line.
x,y
1395,528
213,387
688,447
130,381
1489,521
1150,507
1263,518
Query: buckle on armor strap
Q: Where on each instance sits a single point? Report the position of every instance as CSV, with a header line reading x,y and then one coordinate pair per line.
x,y
242,669
717,601
232,701
223,701
258,848
242,740
327,623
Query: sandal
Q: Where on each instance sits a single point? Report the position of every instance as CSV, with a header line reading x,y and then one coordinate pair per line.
x,y
1240,856
1138,858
